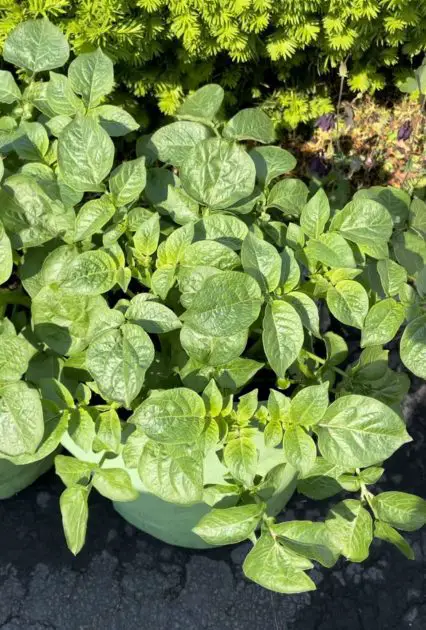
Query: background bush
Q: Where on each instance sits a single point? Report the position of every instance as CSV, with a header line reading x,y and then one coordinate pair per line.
x,y
254,47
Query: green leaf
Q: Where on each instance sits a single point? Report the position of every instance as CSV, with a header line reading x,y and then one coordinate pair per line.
x,y
152,316
278,405
75,513
92,216
21,419
6,256
250,124
114,484
127,181
315,214
85,154
82,428
332,250
282,336
392,276
57,124
311,540
410,250
115,120
31,141
364,222
309,405
224,229
289,196
147,236
337,348
240,457
9,91
351,528
213,399
401,510
290,270
271,162
299,449
395,200
348,302
269,565
92,76
218,173
15,354
175,474
60,96
306,309
230,525
91,273
417,216
247,406
108,435
202,104
273,434
261,260
174,416
321,481
226,304
413,346
237,373
388,533
357,431
173,142
118,360
209,254
171,250
36,45
210,350
72,471
382,323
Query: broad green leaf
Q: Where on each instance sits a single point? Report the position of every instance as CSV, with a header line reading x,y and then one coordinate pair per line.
x,y
382,323
250,124
309,405
60,96
92,76
210,254
261,260
413,346
289,196
223,228
118,360
174,416
392,276
364,222
226,304
332,250
31,141
299,449
315,214
191,280
271,162
127,181
290,270
218,173
56,264
91,273
175,474
85,154
171,250
152,316
273,434
6,256
410,250
211,350
311,540
282,336
173,142
162,280
240,457
72,471
57,124
306,309
36,45
421,282
357,431
395,200
115,120
348,302
237,373
230,525
278,406
21,419
247,406
203,103
15,354
337,348
388,533
147,236
108,432
321,481
9,91
164,191
417,216
75,513
92,216
114,484
351,529
401,510
269,565
82,428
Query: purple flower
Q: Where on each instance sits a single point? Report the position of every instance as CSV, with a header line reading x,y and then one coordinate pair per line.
x,y
405,131
325,122
318,166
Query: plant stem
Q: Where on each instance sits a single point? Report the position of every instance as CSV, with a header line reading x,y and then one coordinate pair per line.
x,y
318,359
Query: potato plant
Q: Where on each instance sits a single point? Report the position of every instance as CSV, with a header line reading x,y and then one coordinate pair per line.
x,y
192,301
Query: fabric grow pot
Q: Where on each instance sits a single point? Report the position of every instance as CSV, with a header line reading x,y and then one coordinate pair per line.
x,y
14,478
173,523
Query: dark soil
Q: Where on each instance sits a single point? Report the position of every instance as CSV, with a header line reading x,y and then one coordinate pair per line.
x,y
126,580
